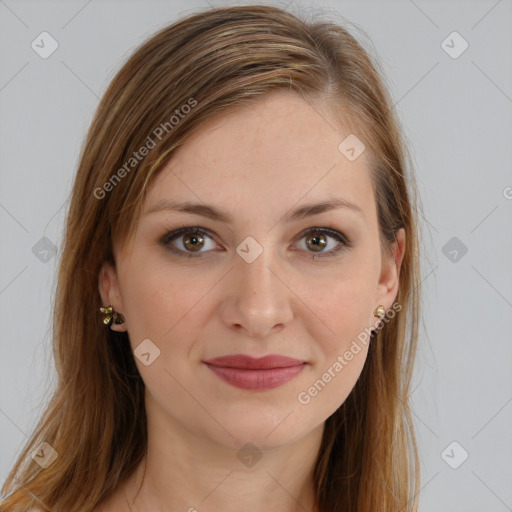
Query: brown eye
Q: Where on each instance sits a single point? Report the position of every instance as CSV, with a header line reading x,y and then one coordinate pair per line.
x,y
321,242
188,241
316,242
193,242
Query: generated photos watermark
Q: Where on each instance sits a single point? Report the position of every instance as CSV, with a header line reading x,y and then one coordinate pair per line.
x,y
304,397
143,151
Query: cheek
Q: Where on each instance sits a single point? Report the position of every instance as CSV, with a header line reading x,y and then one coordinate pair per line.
x,y
331,382
340,326
159,299
342,308
165,308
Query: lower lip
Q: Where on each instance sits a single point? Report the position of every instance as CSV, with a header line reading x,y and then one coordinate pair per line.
x,y
256,379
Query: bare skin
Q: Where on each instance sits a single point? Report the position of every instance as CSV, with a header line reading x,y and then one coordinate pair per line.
x,y
257,164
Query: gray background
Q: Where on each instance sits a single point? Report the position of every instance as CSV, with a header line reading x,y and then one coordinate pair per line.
x,y
457,114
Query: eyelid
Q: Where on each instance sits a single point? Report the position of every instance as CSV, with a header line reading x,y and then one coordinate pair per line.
x,y
332,232
183,230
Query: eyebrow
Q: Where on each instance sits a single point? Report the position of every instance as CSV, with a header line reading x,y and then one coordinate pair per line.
x,y
214,213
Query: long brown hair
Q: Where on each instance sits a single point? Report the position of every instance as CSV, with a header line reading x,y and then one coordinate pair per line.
x,y
183,75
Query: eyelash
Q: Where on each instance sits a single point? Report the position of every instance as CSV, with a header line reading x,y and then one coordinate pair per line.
x,y
345,243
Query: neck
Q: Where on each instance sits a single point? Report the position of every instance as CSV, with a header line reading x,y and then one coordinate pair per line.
x,y
186,472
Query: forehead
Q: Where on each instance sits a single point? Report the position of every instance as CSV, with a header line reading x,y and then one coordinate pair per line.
x,y
269,156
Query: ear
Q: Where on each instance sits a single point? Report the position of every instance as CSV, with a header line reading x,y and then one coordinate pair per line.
x,y
110,293
387,287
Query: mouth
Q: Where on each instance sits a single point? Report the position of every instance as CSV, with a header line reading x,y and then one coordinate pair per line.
x,y
245,362
250,373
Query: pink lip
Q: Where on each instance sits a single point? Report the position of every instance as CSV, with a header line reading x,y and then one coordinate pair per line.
x,y
246,372
250,363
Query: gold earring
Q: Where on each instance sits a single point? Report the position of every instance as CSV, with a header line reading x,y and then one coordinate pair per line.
x,y
380,311
111,316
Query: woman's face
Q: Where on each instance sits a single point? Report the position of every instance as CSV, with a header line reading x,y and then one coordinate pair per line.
x,y
258,282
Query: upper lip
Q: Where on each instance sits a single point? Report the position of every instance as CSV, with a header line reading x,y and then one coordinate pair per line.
x,y
247,362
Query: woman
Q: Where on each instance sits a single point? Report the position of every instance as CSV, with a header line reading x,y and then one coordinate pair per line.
x,y
239,266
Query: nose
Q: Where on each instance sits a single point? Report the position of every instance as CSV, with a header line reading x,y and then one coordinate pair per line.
x,y
258,299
